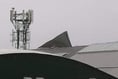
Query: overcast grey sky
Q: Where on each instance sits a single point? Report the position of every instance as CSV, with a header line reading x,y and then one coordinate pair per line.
x,y
87,21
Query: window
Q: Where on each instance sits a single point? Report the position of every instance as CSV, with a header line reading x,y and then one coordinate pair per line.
x,y
39,78
27,77
92,78
35,78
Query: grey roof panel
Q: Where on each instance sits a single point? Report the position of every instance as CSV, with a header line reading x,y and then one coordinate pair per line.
x,y
101,47
112,71
61,40
64,51
98,59
107,62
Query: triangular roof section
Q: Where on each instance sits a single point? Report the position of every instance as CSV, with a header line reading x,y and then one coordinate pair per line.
x,y
61,40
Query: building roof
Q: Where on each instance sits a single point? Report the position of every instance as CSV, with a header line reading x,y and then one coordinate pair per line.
x,y
99,59
107,62
60,45
41,66
61,40
10,51
109,46
62,51
103,56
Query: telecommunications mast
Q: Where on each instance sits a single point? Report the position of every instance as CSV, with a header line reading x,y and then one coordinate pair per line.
x,y
21,33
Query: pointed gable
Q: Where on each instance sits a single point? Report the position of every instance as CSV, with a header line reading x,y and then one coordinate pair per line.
x,y
61,40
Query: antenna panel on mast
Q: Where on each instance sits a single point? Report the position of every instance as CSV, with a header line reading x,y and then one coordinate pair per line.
x,y
21,22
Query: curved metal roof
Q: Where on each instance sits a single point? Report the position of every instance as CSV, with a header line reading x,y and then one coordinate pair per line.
x,y
20,65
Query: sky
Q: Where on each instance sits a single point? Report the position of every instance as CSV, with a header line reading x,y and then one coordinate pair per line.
x,y
87,21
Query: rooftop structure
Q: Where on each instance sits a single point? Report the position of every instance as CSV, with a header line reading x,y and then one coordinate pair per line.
x,y
61,40
21,33
103,56
24,65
